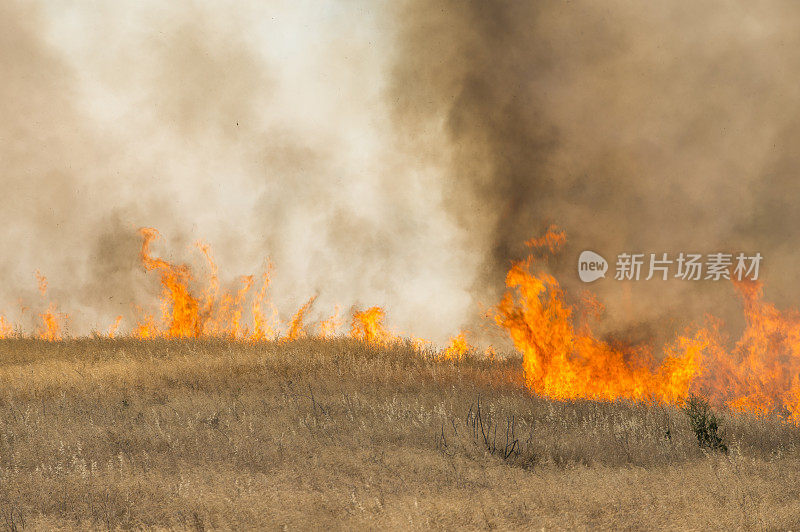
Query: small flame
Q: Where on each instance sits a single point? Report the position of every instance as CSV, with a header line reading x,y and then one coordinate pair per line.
x,y
50,327
367,325
264,328
457,349
112,329
296,328
41,281
330,327
6,328
553,239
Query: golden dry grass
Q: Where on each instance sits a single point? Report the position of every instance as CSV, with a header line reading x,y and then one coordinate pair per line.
x,y
312,434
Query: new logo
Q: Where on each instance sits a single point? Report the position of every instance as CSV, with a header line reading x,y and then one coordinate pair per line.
x,y
591,266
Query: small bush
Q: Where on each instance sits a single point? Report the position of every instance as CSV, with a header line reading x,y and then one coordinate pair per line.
x,y
705,424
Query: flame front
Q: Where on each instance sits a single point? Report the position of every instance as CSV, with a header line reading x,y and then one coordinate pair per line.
x,y
761,372
563,361
562,357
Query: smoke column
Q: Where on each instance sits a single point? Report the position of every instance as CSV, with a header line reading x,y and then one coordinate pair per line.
x,y
637,127
264,132
395,154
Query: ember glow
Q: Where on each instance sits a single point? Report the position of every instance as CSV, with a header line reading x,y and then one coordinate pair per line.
x,y
563,358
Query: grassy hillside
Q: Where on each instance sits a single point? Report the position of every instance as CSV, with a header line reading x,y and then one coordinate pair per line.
x,y
337,434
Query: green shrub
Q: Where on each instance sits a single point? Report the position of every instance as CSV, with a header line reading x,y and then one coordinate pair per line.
x,y
705,424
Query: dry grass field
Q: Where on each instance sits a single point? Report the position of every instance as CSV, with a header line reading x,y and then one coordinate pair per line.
x,y
336,434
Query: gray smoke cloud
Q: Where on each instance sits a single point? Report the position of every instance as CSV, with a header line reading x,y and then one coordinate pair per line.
x,y
395,154
636,127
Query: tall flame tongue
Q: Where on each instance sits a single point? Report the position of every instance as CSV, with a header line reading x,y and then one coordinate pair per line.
x,y
180,308
563,361
264,328
761,372
114,327
368,325
758,373
296,327
50,328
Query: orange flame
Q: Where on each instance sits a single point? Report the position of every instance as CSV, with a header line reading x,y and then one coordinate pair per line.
x,y
457,349
50,328
761,372
367,325
112,329
296,329
264,328
328,328
147,328
553,239
179,307
41,281
562,357
563,362
6,328
191,316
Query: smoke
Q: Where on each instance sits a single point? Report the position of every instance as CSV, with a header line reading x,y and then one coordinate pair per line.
x,y
261,130
401,162
637,127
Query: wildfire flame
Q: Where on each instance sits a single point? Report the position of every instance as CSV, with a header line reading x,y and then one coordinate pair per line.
x,y
50,328
562,357
296,329
458,347
189,312
367,325
565,360
264,328
6,328
328,328
180,308
112,329
761,373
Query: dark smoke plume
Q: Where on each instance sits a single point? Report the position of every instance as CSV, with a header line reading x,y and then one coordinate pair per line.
x,y
636,127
